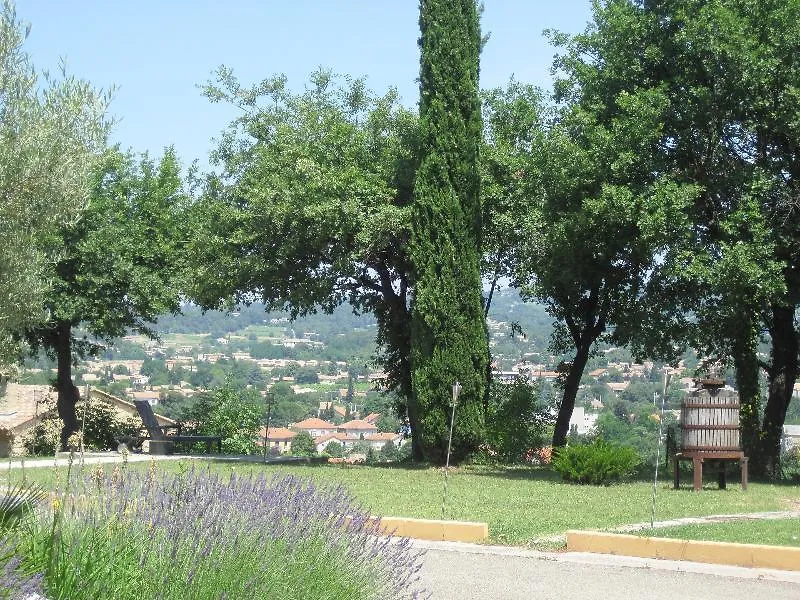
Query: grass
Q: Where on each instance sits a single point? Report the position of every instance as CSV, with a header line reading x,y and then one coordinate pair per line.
x,y
262,332
521,504
185,339
778,532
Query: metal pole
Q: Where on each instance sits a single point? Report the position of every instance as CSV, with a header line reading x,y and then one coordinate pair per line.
x,y
658,448
266,430
456,392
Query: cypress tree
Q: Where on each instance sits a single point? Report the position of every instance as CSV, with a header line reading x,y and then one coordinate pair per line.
x,y
448,330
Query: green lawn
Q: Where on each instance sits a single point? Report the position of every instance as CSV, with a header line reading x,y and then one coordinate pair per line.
x,y
778,532
260,331
185,339
520,504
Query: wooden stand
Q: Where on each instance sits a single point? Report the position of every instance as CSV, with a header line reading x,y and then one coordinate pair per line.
x,y
697,459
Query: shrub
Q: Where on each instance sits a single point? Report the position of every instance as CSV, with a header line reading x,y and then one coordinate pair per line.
x,y
519,418
790,465
198,535
404,452
361,448
335,449
389,452
303,445
100,426
234,415
598,463
43,439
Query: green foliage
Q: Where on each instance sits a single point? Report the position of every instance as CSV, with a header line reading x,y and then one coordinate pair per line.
x,y
233,414
51,131
43,438
306,375
634,426
448,329
388,423
790,465
121,264
335,161
17,503
303,445
389,452
519,418
404,453
100,425
361,448
118,267
598,463
334,449
734,275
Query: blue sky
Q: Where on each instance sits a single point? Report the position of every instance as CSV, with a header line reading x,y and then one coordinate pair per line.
x,y
157,52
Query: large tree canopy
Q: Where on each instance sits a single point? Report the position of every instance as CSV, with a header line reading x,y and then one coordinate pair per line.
x,y
310,207
595,219
729,75
51,130
121,265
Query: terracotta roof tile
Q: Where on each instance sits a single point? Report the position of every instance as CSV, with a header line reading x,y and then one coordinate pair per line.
x,y
314,423
357,424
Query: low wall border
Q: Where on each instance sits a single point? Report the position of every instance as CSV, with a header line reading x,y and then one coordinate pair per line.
x,y
786,558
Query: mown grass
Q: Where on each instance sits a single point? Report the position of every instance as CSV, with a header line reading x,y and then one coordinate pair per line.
x,y
777,532
520,505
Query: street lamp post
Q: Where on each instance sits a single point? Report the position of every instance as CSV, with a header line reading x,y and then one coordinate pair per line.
x,y
270,398
456,392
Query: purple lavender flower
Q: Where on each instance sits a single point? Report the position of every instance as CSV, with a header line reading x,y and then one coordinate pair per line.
x,y
14,584
272,526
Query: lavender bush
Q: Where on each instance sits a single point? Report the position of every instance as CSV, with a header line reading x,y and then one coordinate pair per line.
x,y
132,535
14,583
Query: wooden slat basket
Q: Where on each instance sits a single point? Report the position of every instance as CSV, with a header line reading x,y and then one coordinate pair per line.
x,y
710,420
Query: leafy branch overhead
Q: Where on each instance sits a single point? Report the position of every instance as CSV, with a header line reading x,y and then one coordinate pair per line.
x,y
311,204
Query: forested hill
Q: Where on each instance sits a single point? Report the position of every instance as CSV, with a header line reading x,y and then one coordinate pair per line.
x,y
507,307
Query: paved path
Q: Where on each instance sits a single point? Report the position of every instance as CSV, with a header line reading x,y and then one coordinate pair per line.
x,y
94,459
453,571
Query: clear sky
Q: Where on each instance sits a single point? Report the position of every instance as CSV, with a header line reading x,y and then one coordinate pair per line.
x,y
157,52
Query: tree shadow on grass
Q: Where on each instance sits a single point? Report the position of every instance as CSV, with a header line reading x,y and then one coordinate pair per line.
x,y
514,472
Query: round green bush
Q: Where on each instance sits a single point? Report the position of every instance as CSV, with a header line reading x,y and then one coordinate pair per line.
x,y
598,463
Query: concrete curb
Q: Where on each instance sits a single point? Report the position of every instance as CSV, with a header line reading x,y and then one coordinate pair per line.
x,y
719,553
433,530
424,529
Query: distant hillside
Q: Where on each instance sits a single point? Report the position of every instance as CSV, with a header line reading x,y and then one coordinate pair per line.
x,y
343,328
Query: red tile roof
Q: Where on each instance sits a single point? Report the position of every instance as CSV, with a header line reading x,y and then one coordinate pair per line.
x,y
372,417
278,433
330,436
357,424
382,437
314,423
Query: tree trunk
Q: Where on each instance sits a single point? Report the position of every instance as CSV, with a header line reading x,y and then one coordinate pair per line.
x,y
417,450
570,393
782,375
746,364
67,392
